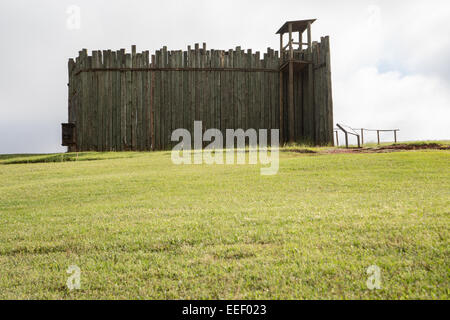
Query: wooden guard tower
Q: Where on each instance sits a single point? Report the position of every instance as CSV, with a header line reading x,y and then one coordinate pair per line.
x,y
289,65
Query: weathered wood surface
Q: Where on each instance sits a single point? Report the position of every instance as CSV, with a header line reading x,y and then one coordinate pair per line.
x,y
133,101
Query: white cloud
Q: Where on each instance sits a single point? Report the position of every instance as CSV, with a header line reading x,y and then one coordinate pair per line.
x,y
417,104
390,59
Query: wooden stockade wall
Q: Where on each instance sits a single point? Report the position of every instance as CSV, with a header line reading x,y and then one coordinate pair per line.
x,y
133,101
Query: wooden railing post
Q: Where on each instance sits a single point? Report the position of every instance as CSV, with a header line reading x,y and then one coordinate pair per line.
x,y
378,136
395,136
362,137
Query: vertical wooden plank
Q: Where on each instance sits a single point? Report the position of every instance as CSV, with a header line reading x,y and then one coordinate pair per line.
x,y
83,100
101,103
152,104
274,89
123,102
84,95
198,83
211,86
323,95
99,100
157,110
316,109
113,100
242,61
134,100
112,75
181,97
175,92
206,89
105,101
95,109
129,100
139,108
259,92
164,100
222,90
192,98
254,93
179,88
280,96
118,103
76,100
105,79
169,100
329,100
311,120
217,113
186,98
70,100
201,88
80,109
236,88
145,103
266,91
109,99
90,104
248,88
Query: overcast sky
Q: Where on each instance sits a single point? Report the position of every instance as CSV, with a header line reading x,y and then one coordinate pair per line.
x,y
390,59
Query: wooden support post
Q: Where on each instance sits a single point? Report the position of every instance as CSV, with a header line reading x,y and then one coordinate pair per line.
x,y
395,136
281,110
281,49
346,139
359,145
309,36
337,138
362,137
310,134
300,41
291,88
281,91
378,136
291,49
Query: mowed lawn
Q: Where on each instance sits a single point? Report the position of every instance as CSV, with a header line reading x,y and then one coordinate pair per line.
x,y
140,227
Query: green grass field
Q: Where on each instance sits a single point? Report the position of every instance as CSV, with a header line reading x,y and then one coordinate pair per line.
x,y
140,227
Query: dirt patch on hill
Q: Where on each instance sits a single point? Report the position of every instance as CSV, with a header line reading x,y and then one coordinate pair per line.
x,y
391,148
412,146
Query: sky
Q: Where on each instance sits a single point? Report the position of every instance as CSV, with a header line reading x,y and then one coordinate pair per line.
x,y
390,60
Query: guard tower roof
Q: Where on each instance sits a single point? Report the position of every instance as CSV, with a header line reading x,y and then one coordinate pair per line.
x,y
297,25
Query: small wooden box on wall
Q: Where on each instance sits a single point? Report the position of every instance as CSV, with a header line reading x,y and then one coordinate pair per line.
x,y
68,134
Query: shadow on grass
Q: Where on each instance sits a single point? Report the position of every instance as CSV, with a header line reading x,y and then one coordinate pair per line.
x,y
62,157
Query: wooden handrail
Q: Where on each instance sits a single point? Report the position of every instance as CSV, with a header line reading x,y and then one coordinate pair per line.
x,y
362,134
346,135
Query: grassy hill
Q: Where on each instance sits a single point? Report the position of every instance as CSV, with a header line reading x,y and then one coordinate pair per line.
x,y
140,227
